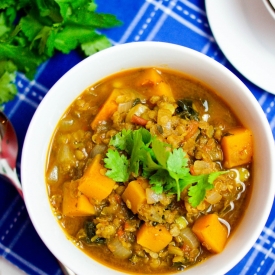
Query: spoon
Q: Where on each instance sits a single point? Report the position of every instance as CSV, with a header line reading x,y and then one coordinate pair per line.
x,y
8,156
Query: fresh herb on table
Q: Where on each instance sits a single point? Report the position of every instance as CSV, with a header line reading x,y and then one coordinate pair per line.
x,y
32,30
166,169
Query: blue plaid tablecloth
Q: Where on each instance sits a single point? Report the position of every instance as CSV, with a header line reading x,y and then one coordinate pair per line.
x,y
177,21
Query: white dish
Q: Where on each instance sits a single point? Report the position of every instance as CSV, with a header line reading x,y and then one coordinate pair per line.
x,y
270,6
245,30
137,55
8,268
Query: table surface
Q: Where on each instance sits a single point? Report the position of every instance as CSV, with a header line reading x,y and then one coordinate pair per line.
x,y
176,21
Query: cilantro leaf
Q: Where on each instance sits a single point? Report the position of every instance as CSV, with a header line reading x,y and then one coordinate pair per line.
x,y
197,192
25,60
205,182
135,143
118,165
166,170
120,139
97,44
158,180
7,78
31,32
177,165
161,151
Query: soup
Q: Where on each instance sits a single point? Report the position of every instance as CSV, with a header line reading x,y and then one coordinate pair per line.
x,y
149,171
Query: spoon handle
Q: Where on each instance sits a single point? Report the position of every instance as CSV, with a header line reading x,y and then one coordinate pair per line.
x,y
11,174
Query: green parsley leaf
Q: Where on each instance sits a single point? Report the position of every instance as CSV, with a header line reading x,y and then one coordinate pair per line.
x,y
118,165
99,43
161,151
22,57
197,192
177,167
7,78
120,139
159,180
48,26
6,3
204,182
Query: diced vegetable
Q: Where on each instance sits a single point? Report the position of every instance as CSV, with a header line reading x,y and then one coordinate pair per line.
x,y
187,109
211,232
154,238
181,222
107,109
152,79
117,248
94,184
74,205
192,129
137,110
152,197
139,120
189,238
134,196
237,147
212,196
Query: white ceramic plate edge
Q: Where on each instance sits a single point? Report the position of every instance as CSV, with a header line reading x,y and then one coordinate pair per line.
x,y
241,39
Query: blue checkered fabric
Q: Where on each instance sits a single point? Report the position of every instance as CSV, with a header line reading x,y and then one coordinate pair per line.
x,y
177,21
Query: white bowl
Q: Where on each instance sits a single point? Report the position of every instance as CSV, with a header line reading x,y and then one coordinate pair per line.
x,y
270,6
135,55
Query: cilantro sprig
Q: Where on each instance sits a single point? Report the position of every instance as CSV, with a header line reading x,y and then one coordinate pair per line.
x,y
139,153
32,31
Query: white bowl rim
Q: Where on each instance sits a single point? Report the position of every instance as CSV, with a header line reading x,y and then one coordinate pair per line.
x,y
35,195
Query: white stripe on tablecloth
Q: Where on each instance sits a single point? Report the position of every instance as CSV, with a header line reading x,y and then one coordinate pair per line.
x,y
192,6
22,260
161,20
182,21
34,83
272,123
134,23
8,211
18,235
259,248
263,98
23,95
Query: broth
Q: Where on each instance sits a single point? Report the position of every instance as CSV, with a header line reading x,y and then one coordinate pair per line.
x,y
139,214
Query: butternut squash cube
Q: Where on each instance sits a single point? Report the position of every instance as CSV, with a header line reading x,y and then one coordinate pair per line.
x,y
151,79
211,232
74,205
237,147
107,109
134,196
154,238
94,184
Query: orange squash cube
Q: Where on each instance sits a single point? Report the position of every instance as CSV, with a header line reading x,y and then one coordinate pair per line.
x,y
107,109
152,80
94,184
134,196
74,204
154,238
237,147
211,232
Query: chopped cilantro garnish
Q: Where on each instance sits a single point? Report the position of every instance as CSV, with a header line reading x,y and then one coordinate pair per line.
x,y
118,172
166,169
